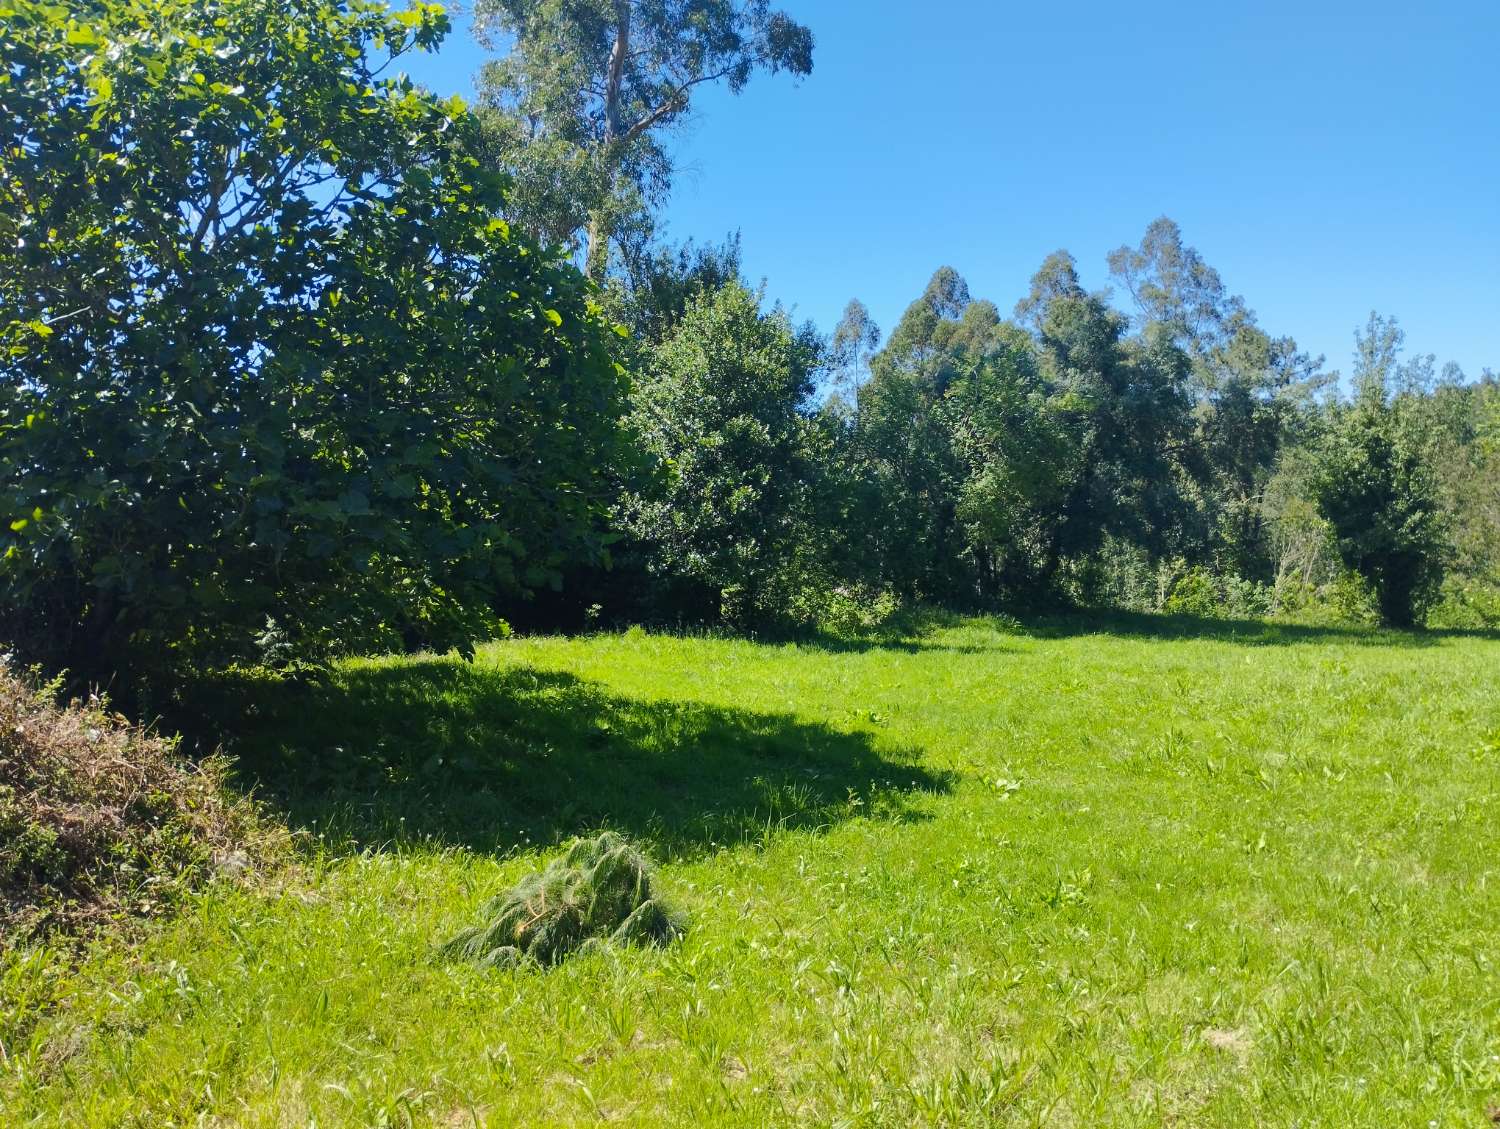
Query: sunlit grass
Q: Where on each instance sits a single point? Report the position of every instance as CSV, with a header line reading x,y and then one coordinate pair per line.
x,y
1165,873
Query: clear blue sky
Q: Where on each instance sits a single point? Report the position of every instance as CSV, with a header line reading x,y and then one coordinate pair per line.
x,y
1329,157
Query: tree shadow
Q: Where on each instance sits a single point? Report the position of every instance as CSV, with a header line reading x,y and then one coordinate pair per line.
x,y
913,644
914,630
1248,632
437,751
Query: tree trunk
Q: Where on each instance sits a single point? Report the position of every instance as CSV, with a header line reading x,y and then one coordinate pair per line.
x,y
596,263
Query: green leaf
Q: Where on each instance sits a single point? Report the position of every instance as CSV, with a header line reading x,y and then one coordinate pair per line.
x,y
553,316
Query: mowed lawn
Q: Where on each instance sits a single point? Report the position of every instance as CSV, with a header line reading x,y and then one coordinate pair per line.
x,y
1132,872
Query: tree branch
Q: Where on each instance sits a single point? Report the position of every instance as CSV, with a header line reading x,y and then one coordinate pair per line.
x,y
676,102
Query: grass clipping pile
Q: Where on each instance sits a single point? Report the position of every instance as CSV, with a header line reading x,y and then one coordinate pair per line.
x,y
600,892
100,819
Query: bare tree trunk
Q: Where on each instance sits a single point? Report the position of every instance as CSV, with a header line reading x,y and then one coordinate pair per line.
x,y
597,260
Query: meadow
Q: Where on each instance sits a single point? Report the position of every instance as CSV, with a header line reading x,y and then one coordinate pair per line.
x,y
1127,871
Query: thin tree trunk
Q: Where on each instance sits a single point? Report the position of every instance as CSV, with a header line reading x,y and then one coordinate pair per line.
x,y
597,260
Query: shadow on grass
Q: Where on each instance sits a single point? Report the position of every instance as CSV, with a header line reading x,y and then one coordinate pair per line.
x,y
440,751
915,632
1253,632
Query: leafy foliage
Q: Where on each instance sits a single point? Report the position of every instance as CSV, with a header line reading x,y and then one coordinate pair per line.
x,y
274,367
577,105
733,512
600,891
1377,489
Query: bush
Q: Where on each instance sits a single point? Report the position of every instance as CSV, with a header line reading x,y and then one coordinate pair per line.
x,y
1346,599
854,609
1195,593
99,818
1467,603
1218,596
601,891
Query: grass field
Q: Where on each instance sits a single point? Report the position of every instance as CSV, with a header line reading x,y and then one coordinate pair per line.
x,y
1141,872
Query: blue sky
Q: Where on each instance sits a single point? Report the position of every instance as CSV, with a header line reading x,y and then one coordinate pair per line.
x,y
1329,157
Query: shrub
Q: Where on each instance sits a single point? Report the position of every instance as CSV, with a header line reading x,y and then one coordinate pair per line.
x,y
1218,596
1467,603
99,818
1195,593
855,609
601,891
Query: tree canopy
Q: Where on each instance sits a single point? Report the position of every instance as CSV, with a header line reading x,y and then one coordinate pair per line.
x,y
276,371
580,100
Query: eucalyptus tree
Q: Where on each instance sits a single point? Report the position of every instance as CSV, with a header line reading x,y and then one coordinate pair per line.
x,y
1250,390
580,101
850,351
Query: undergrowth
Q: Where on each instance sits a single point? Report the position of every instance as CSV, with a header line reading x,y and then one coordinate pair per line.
x,y
101,819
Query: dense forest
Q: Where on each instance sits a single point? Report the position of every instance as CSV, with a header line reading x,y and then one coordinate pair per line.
x,y
300,360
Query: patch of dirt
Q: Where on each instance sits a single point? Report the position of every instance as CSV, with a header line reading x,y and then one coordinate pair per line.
x,y
1231,1041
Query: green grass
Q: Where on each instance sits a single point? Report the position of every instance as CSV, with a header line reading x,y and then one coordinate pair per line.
x,y
1168,873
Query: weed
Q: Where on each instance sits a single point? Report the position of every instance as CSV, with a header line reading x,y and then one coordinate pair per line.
x,y
600,891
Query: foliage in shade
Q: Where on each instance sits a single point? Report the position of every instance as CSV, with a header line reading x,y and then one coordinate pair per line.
x,y
601,891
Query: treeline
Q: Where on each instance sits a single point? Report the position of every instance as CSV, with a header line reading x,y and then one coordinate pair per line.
x,y
296,359
1173,455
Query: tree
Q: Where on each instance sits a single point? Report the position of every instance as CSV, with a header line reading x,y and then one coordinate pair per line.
x,y
663,281
850,351
1248,388
1376,488
719,409
903,447
274,369
1127,402
581,100
1020,458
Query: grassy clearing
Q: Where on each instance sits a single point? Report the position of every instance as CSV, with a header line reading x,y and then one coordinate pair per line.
x,y
1165,873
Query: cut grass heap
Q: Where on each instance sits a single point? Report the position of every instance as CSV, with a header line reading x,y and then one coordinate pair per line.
x,y
600,892
98,818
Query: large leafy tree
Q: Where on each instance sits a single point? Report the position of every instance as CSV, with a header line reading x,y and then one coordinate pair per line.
x,y
271,358
902,444
579,104
1020,455
1126,401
